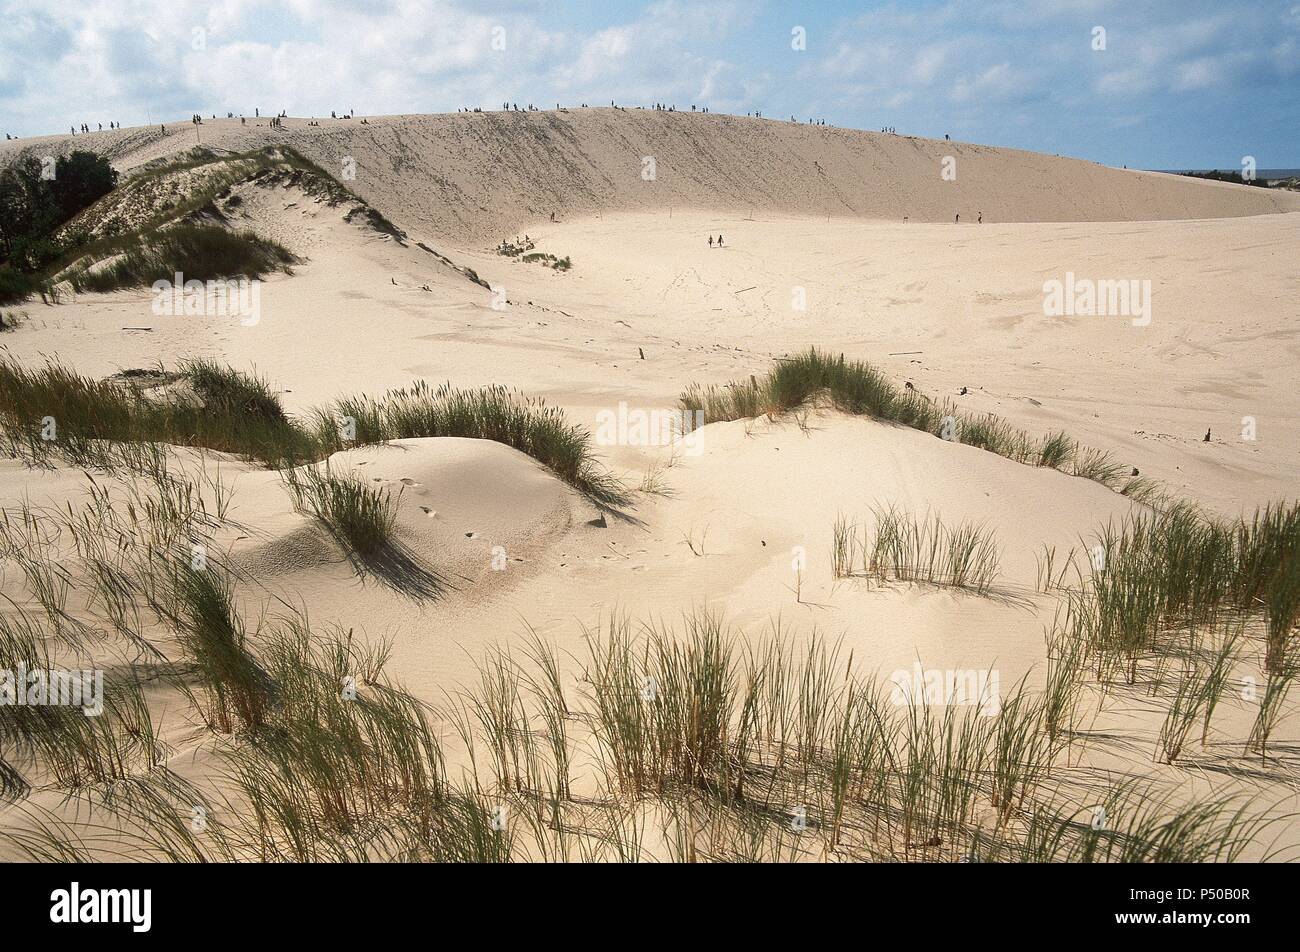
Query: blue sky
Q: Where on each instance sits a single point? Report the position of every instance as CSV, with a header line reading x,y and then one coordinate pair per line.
x,y
1182,84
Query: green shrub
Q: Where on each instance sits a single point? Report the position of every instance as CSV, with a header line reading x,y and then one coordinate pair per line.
x,y
16,286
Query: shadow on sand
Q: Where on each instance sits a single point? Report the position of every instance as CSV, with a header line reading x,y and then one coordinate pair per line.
x,y
400,568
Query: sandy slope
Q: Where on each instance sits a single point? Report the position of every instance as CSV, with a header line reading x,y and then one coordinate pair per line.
x,y
957,306
490,546
943,304
482,176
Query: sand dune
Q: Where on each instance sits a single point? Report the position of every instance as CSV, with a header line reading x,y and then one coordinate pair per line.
x,y
946,306
491,545
481,176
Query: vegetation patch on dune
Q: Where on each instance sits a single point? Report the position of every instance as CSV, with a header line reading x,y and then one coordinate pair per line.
x,y
1161,570
905,548
1175,597
198,252
492,413
692,742
360,514
52,411
173,190
550,260
158,223
523,250
860,389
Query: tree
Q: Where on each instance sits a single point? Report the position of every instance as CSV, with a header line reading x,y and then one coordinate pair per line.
x,y
33,206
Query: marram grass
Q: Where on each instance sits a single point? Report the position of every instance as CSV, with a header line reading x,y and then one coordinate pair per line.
x,y
856,387
52,411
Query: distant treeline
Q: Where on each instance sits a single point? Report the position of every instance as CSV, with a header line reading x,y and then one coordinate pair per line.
x,y
38,196
1234,177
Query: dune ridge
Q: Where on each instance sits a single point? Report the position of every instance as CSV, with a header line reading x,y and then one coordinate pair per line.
x,y
478,176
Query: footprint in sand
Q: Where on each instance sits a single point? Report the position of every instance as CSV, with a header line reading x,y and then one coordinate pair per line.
x,y
408,481
428,512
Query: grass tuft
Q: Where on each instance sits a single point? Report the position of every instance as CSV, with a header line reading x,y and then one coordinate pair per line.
x,y
358,513
903,548
199,252
53,412
492,413
857,388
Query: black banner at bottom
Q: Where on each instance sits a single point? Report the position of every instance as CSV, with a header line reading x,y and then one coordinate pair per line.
x,y
352,904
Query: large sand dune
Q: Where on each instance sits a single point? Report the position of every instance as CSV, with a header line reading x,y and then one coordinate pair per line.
x,y
743,524
481,176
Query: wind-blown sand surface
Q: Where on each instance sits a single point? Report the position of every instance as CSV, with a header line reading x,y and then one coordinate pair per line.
x,y
805,211
477,176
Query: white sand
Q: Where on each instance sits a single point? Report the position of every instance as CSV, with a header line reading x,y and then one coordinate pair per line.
x,y
1222,345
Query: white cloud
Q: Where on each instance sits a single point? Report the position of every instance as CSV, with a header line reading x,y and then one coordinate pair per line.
x,y
106,60
975,67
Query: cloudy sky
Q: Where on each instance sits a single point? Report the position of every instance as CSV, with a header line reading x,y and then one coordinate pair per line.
x,y
1179,83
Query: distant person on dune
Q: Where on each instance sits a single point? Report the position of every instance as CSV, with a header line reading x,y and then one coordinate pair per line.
x,y
719,241
710,241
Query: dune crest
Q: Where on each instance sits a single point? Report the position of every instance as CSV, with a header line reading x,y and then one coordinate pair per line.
x,y
479,176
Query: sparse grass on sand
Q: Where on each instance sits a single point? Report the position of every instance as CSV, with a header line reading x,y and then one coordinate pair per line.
x,y
860,389
201,609
714,746
53,411
702,743
491,413
904,548
199,252
1157,570
360,514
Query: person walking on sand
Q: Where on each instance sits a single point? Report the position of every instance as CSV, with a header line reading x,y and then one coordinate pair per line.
x,y
710,241
719,241
957,220
980,220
